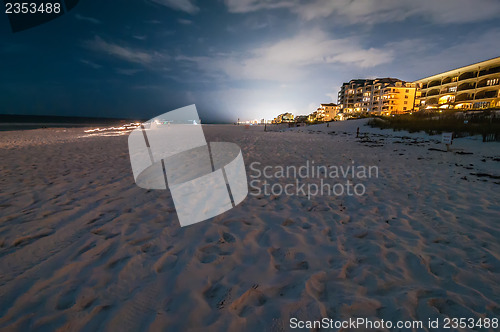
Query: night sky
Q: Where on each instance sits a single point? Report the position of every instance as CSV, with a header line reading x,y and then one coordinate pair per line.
x,y
247,59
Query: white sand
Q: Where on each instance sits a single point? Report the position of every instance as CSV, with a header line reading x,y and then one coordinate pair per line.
x,y
83,249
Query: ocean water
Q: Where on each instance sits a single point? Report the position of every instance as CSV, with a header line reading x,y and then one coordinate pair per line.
x,y
26,122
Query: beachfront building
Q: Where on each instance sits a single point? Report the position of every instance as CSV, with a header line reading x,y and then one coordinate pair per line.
x,y
329,111
382,96
319,115
475,86
301,118
285,117
350,95
392,96
316,116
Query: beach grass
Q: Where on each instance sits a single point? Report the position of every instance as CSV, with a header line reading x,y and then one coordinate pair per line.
x,y
486,123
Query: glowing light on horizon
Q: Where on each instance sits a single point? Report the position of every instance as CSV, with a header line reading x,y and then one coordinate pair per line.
x,y
129,126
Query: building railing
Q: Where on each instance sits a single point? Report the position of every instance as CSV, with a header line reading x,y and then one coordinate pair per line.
x,y
448,83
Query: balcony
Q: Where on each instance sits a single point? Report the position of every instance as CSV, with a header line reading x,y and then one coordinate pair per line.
x,y
488,82
464,96
463,106
433,92
447,80
432,101
467,75
434,83
466,86
486,94
446,99
447,90
493,70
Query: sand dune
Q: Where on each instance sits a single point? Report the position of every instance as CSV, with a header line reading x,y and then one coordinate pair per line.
x,y
84,249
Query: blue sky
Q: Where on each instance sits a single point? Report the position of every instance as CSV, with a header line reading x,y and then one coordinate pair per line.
x,y
247,59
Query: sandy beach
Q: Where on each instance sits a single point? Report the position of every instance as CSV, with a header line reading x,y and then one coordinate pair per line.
x,y
82,248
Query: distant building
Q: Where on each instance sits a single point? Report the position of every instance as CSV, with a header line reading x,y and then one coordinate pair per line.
x,y
301,118
319,115
329,111
377,96
285,117
312,117
475,86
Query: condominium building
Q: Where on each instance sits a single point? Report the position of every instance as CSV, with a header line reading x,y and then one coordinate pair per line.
x,y
378,96
475,86
328,112
392,96
351,93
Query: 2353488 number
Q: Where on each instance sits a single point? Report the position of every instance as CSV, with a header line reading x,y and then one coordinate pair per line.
x,y
32,8
455,323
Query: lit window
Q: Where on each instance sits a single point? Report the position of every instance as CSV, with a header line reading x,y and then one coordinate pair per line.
x,y
492,81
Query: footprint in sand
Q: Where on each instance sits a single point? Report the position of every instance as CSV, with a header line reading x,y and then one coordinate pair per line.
x,y
287,260
217,296
248,301
67,298
213,251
